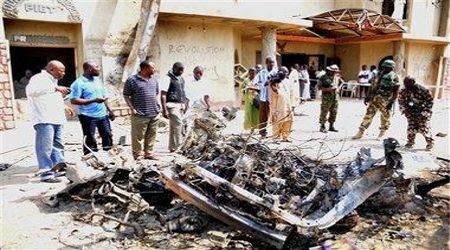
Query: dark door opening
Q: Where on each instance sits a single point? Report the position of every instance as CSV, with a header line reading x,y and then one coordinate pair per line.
x,y
290,59
35,59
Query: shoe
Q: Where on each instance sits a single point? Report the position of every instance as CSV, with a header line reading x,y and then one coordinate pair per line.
x,y
138,157
323,129
49,177
359,135
150,157
59,167
332,129
409,145
381,134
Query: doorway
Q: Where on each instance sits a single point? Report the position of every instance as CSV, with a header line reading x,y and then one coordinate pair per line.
x,y
35,59
290,59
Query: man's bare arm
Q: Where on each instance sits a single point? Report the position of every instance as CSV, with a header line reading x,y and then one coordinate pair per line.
x,y
164,103
207,101
130,105
80,101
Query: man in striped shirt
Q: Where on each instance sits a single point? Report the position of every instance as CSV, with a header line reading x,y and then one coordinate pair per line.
x,y
140,92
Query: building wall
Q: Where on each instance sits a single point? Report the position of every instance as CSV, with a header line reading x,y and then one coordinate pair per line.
x,y
249,48
373,53
191,44
350,56
310,48
250,9
7,117
423,62
425,18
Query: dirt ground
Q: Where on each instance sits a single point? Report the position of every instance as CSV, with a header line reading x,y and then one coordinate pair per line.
x,y
27,223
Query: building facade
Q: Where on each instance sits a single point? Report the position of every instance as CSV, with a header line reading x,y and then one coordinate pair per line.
x,y
216,34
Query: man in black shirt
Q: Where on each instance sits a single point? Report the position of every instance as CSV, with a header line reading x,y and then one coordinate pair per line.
x,y
174,103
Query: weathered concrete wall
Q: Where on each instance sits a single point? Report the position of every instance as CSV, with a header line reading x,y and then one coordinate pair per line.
x,y
249,48
425,18
237,40
7,118
367,4
97,17
423,62
211,46
310,48
250,9
350,56
372,53
445,93
118,41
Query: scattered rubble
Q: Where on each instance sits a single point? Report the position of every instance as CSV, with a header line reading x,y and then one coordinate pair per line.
x,y
277,195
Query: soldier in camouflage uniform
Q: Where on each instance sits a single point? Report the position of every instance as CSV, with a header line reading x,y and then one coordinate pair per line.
x,y
416,104
328,85
382,95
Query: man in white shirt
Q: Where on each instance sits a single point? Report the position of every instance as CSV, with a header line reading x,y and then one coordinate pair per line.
x,y
373,73
295,89
364,74
47,113
304,83
197,91
363,78
198,98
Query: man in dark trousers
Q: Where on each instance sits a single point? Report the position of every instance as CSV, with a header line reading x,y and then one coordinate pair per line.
x,y
93,111
174,103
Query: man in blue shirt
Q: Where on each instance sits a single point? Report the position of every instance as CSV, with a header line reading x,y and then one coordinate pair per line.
x,y
264,98
93,111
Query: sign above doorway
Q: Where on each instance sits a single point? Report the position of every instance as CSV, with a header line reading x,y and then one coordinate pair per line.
x,y
43,10
37,39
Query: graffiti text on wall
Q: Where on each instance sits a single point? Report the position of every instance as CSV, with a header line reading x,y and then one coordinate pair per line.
x,y
205,50
207,56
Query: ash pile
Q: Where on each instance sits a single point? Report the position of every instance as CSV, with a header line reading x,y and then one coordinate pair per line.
x,y
276,197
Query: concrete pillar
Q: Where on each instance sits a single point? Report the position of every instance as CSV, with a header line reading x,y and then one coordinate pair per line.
x,y
444,18
269,43
399,58
2,28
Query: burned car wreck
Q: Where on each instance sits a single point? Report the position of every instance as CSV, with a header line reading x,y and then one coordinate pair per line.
x,y
276,195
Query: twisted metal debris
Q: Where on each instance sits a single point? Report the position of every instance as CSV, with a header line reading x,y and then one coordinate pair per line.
x,y
275,195
237,178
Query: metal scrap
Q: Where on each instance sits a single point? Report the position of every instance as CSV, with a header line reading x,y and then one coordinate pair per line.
x,y
278,196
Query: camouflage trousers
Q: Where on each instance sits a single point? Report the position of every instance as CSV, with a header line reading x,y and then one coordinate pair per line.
x,y
329,105
377,104
421,125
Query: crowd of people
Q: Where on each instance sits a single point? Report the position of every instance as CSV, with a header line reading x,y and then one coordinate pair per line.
x,y
270,97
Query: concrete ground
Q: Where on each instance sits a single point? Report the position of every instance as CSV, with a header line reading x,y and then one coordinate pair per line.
x,y
25,222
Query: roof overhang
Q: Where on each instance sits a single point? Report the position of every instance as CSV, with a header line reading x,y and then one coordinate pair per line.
x,y
341,41
344,23
426,39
